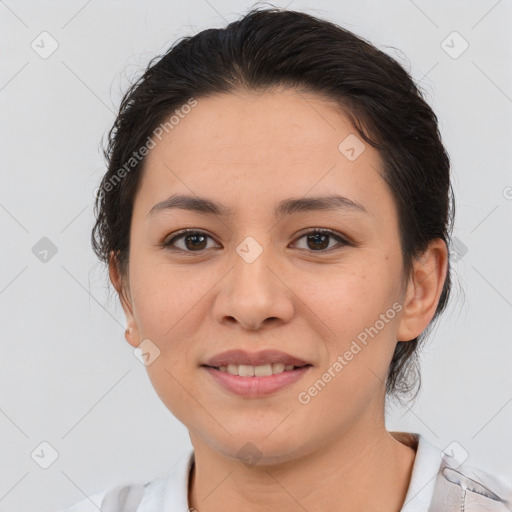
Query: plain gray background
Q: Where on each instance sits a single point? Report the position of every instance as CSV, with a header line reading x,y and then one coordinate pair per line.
x,y
69,378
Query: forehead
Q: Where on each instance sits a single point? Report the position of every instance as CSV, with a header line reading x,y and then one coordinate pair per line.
x,y
245,123
256,147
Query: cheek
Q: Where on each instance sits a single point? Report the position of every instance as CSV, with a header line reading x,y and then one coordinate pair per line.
x,y
362,312
167,299
349,302
169,304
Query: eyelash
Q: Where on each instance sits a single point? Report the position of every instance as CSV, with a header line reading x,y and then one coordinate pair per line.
x,y
181,234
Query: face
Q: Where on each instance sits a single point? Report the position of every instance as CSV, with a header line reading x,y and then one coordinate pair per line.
x,y
254,277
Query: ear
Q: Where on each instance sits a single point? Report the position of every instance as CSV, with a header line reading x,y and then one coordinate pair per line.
x,y
424,289
131,334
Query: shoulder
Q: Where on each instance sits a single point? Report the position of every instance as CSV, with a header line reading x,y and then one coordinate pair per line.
x,y
163,493
460,486
115,499
444,481
463,486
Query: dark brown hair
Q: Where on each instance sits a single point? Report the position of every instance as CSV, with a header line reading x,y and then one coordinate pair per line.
x,y
269,48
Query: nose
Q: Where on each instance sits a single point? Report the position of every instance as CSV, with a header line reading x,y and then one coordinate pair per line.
x,y
254,294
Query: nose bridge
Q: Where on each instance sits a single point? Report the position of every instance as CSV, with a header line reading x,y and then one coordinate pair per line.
x,y
253,293
251,275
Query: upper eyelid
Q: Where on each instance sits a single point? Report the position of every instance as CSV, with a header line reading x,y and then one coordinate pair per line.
x,y
188,231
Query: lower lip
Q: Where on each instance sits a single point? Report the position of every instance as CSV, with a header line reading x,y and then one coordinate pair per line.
x,y
254,387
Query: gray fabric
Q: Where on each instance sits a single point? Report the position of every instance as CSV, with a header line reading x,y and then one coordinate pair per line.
x,y
463,488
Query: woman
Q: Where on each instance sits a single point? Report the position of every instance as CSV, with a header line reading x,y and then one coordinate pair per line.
x,y
275,219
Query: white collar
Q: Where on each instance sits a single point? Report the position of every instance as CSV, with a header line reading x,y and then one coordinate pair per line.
x,y
423,477
170,492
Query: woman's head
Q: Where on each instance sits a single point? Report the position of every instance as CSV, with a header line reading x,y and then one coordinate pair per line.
x,y
277,106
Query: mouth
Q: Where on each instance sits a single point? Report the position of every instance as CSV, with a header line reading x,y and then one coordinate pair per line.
x,y
255,374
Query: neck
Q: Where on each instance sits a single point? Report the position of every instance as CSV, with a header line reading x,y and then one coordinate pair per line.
x,y
362,470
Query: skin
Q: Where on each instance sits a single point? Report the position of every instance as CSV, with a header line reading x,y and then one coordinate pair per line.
x,y
249,151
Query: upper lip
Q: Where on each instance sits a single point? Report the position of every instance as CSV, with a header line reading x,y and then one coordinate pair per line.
x,y
254,358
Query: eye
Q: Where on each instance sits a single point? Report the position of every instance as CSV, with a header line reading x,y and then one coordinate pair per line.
x,y
318,239
193,241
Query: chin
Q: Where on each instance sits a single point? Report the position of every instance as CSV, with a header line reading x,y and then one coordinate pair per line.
x,y
258,448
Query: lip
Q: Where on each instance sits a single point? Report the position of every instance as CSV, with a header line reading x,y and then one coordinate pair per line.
x,y
239,356
255,387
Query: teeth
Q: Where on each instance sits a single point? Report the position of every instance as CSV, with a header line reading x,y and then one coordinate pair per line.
x,y
263,370
246,370
232,369
279,368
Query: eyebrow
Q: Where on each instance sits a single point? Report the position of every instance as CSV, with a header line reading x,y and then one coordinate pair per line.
x,y
284,207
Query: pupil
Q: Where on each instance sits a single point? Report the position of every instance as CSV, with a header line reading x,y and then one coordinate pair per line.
x,y
316,241
187,239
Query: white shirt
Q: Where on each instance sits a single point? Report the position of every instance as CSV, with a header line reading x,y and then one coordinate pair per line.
x,y
169,493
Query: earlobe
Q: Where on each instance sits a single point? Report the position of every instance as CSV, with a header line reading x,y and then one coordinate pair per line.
x,y
131,332
132,339
423,291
